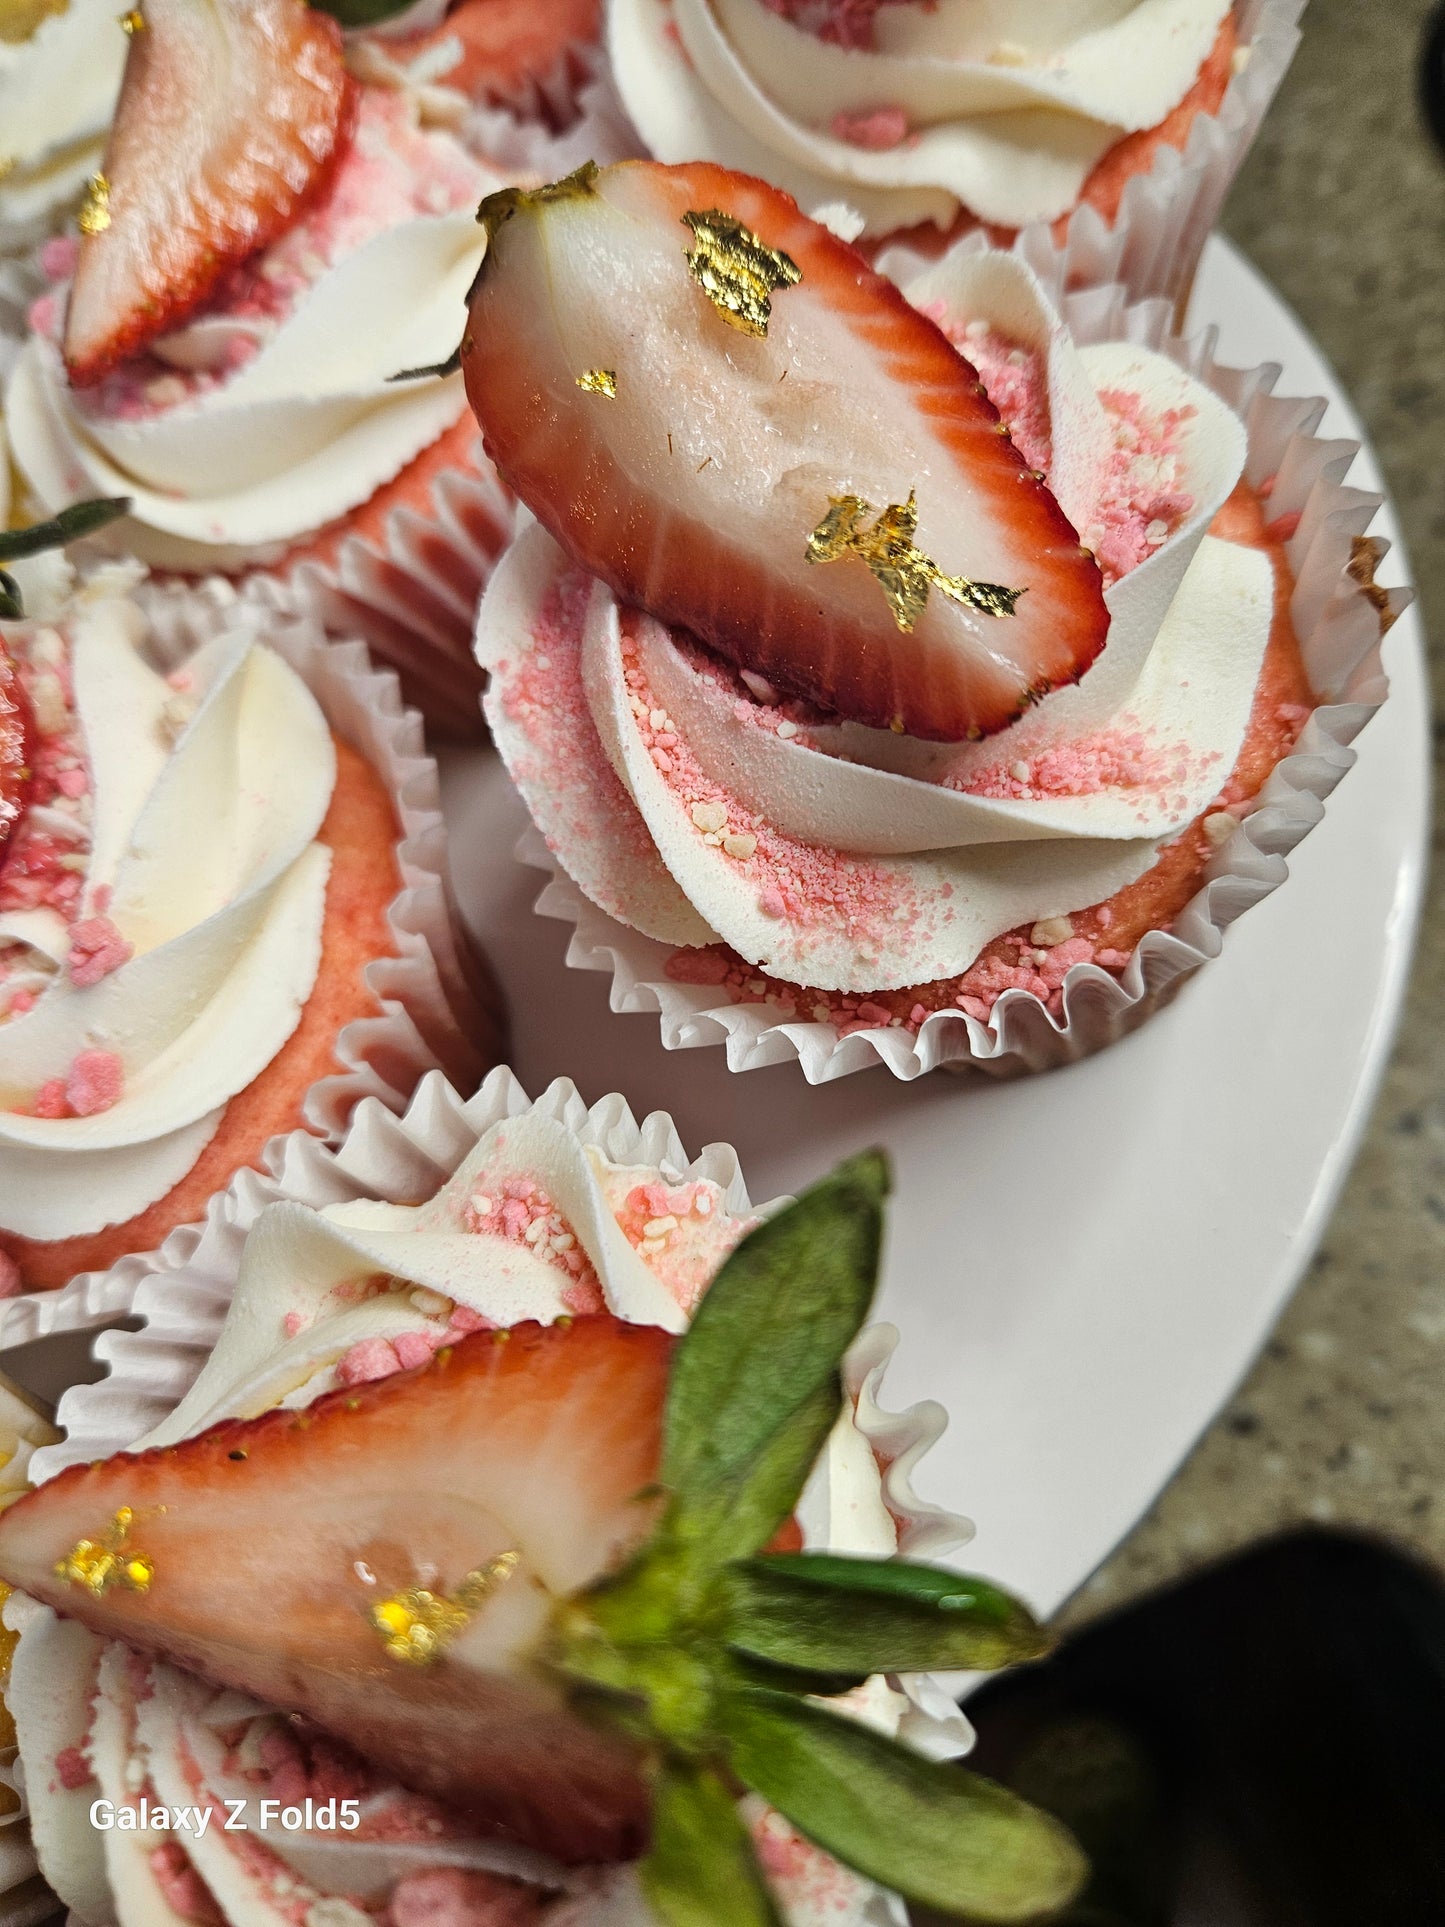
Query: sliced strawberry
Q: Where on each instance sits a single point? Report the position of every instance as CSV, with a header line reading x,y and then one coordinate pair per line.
x,y
16,745
509,45
695,490
231,116
270,1541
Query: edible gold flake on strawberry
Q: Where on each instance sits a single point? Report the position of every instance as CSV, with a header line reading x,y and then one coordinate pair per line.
x,y
94,216
98,1564
416,1625
737,270
903,572
133,22
599,381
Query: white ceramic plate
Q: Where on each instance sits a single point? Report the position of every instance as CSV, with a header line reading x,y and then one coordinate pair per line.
x,y
1083,1265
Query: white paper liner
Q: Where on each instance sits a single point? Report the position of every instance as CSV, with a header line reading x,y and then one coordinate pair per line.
x,y
437,1005
185,1293
1339,628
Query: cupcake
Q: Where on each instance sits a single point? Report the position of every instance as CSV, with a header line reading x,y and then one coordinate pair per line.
x,y
882,689
60,69
931,118
271,242
506,1551
215,920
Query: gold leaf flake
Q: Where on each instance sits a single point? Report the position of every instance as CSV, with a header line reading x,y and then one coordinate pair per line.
x,y
599,381
98,1564
94,216
133,22
904,573
737,271
417,1625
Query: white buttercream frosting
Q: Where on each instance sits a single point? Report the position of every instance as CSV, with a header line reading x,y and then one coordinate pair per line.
x,y
1001,108
317,1288
58,90
854,860
195,931
272,414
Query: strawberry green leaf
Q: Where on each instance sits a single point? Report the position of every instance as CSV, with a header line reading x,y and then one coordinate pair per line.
x,y
701,1870
12,603
361,13
80,519
825,1613
930,1832
769,1336
739,1513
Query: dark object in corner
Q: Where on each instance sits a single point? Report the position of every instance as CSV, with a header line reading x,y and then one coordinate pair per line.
x,y
1432,77
1263,1746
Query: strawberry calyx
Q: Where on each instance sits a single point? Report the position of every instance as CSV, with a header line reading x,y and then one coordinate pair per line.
x,y
72,524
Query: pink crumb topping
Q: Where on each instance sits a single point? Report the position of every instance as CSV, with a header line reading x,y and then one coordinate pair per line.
x,y
183,1887
1119,758
521,1211
58,257
461,1897
1140,499
844,23
877,130
96,949
96,1082
293,1322
682,1232
369,1358
799,885
72,1769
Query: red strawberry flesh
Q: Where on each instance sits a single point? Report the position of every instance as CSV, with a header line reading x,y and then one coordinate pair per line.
x,y
694,492
231,117
270,1539
15,748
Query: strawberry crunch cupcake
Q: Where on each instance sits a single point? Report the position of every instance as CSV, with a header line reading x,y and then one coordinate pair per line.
x,y
433,1692
877,686
270,243
927,119
208,933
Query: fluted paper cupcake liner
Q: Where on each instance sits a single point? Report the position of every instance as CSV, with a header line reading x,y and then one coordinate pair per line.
x,y
1339,617
1153,245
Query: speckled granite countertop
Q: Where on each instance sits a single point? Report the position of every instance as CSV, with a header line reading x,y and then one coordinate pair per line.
x,y
1342,204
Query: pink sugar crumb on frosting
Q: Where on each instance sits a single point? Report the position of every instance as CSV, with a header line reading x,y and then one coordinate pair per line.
x,y
461,1897
96,949
801,885
877,130
368,1359
519,1210
72,1769
58,257
95,1083
843,23
681,1231
1119,758
1014,377
183,1888
1141,500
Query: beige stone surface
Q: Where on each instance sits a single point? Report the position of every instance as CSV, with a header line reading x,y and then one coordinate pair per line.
x,y
1342,204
